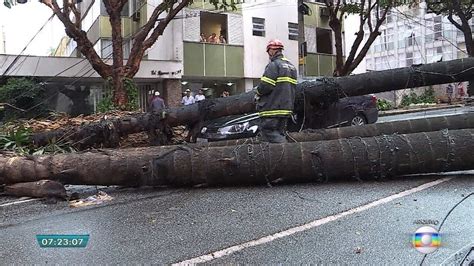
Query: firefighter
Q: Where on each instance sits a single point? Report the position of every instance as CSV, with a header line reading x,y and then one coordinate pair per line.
x,y
275,95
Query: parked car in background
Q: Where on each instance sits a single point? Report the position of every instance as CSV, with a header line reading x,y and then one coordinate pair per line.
x,y
348,111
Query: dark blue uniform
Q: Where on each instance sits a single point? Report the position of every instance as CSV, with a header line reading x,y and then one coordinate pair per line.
x,y
276,93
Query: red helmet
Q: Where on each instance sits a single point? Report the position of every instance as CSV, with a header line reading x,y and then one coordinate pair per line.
x,y
274,44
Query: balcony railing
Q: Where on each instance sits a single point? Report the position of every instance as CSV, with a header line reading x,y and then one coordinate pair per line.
x,y
213,60
320,64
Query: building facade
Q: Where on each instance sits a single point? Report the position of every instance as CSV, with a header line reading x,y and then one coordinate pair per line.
x,y
320,59
184,57
412,36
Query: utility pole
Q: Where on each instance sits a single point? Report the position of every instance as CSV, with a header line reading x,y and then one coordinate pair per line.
x,y
301,38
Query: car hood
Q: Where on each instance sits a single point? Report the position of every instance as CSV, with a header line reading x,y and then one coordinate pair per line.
x,y
231,120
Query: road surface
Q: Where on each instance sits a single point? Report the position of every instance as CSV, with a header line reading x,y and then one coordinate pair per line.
x,y
343,223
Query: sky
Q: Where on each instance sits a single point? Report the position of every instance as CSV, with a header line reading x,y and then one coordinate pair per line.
x,y
22,22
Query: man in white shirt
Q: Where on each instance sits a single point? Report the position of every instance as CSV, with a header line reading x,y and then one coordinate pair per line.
x,y
188,98
200,96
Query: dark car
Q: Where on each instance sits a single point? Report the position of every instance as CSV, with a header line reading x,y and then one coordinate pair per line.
x,y
348,111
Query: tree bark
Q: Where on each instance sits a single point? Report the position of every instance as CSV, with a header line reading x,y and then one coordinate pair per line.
x,y
343,159
108,132
454,122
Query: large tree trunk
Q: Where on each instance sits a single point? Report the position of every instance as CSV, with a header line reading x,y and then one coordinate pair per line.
x,y
343,159
397,127
324,89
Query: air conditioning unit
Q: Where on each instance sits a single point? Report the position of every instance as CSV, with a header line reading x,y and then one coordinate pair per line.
x,y
324,12
136,16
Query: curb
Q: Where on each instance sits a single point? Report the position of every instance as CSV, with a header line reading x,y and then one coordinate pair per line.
x,y
407,111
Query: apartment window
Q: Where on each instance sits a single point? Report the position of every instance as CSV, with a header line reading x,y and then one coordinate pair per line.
x,y
411,40
323,41
213,28
409,59
106,48
258,28
438,28
293,31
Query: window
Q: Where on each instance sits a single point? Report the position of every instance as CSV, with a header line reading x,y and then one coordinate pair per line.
x,y
411,40
409,59
293,31
107,49
258,28
213,28
323,41
438,28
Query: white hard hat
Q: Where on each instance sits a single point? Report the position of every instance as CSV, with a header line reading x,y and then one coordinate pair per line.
x,y
157,93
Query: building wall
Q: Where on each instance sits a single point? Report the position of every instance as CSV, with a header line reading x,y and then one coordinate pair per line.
x,y
417,38
277,14
318,63
2,41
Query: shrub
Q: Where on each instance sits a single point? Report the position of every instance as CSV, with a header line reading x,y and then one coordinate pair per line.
x,y
428,96
23,93
384,105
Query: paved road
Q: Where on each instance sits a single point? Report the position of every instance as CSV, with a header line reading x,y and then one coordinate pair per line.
x,y
343,223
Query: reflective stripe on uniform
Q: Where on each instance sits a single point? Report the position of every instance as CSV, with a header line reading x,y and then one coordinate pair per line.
x,y
268,80
287,79
275,113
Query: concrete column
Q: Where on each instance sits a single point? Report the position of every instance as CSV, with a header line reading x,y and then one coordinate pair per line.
x,y
248,84
172,92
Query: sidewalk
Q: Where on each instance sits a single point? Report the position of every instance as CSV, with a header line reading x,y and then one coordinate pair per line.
x,y
418,109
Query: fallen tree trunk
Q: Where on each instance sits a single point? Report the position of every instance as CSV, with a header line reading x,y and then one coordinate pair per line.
x,y
342,159
38,189
401,127
108,132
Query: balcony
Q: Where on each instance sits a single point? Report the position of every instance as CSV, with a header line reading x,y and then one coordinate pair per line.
x,y
320,64
213,60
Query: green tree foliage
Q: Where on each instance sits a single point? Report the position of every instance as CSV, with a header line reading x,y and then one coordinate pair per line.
x,y
428,96
25,98
384,105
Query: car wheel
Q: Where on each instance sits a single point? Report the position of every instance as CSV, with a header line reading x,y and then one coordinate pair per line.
x,y
358,120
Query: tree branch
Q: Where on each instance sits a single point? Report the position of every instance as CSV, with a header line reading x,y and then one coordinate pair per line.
x,y
137,51
83,43
158,31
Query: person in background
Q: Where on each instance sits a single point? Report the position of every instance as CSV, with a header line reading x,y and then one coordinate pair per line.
x,y
460,89
200,96
157,103
213,38
225,93
222,39
188,98
158,135
449,93
203,37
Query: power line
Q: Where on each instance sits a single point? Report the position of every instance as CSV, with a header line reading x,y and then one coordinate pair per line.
x,y
412,18
36,34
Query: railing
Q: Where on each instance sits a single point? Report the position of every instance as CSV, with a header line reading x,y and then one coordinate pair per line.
x,y
317,64
213,60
